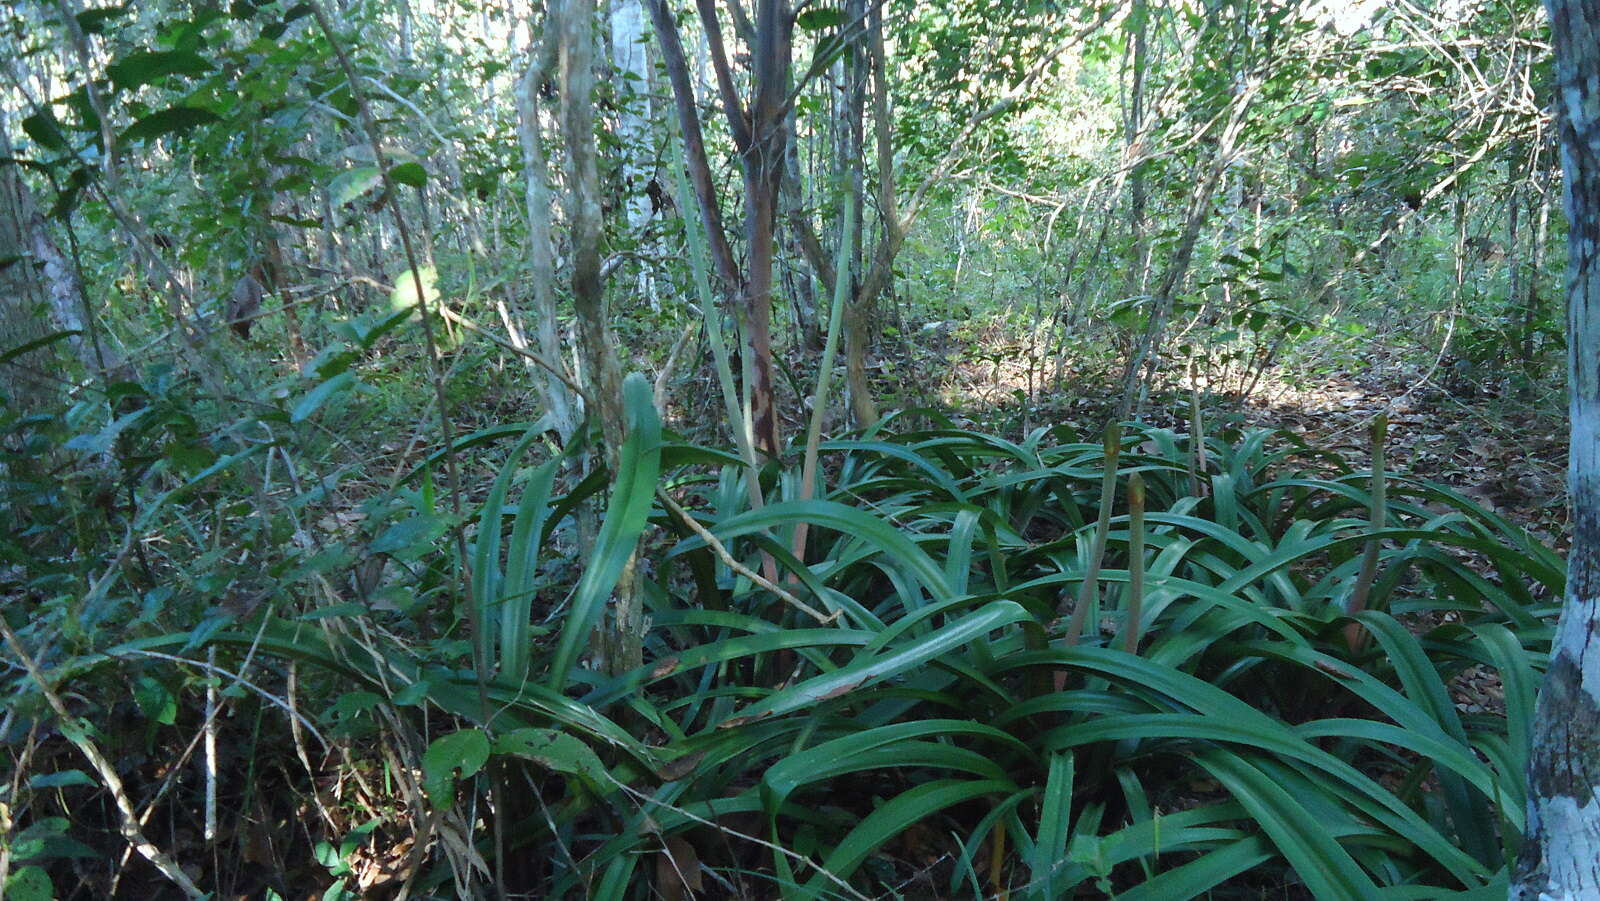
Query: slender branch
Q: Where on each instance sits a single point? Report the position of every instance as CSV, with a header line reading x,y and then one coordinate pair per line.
x,y
436,367
555,369
694,148
732,107
664,377
732,563
79,736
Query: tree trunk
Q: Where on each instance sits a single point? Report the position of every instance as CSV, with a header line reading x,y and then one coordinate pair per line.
x,y
801,281
763,172
760,137
29,386
1515,257
633,111
1142,363
41,278
541,247
1530,284
1560,856
277,282
867,289
631,72
697,164
603,373
622,647
1138,198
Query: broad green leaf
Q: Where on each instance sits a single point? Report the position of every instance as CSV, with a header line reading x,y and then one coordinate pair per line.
x,y
29,884
352,183
459,754
144,67
320,395
102,441
43,128
820,17
173,120
409,536
404,295
94,21
409,173
62,779
556,751
155,701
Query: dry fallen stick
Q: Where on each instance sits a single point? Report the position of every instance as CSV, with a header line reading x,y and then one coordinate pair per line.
x,y
733,564
108,774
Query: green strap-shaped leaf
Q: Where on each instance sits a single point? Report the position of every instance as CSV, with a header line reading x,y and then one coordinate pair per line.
x,y
486,578
1474,821
17,351
899,550
892,818
1325,867
874,668
632,495
522,557
1055,818
848,754
1197,877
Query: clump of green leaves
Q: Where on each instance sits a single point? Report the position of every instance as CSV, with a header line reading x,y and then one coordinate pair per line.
x,y
1232,736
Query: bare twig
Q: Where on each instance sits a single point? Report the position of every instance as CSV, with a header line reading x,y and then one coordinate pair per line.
x,y
75,733
664,377
550,366
722,553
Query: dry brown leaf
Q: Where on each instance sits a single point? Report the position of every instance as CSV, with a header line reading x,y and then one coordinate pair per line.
x,y
678,874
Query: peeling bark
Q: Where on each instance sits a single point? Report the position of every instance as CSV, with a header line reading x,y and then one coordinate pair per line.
x,y
1560,855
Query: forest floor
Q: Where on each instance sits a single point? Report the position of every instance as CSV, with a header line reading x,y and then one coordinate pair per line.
x,y
1504,448
1500,447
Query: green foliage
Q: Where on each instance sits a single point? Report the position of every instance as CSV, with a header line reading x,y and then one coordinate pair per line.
x,y
457,755
1244,683
1247,735
1234,739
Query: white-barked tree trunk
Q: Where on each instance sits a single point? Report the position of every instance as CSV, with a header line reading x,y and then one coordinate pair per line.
x,y
1560,857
